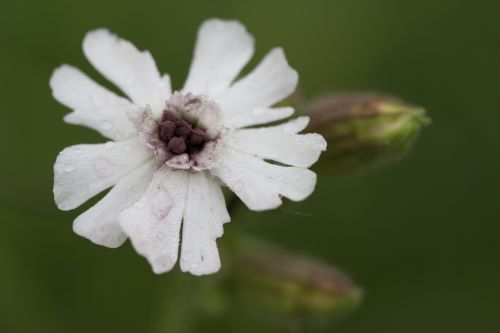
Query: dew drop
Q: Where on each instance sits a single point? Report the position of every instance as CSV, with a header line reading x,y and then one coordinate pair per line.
x,y
259,112
106,125
131,80
99,100
103,167
188,256
238,186
218,27
69,168
289,128
172,248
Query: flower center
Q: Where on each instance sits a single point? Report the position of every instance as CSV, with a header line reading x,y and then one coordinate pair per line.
x,y
188,134
180,136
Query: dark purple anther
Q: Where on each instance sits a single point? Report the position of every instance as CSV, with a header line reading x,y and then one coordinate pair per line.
x,y
177,145
197,137
169,116
183,128
167,130
180,136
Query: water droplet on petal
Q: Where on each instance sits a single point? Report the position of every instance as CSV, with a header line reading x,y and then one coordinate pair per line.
x,y
131,80
188,256
104,167
69,168
258,112
319,146
173,246
100,100
238,186
289,128
106,125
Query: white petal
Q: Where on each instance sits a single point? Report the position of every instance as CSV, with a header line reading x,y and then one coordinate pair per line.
x,y
295,125
205,213
269,83
133,71
259,184
100,223
82,171
153,223
257,117
93,106
222,49
277,144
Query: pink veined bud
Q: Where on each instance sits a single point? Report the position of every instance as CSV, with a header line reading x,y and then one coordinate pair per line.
x,y
364,129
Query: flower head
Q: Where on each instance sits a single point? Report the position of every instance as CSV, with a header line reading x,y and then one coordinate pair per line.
x,y
170,153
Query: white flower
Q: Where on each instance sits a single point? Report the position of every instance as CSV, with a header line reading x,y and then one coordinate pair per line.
x,y
170,153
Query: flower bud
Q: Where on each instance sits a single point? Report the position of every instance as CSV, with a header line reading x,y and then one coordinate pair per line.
x,y
268,285
289,286
364,129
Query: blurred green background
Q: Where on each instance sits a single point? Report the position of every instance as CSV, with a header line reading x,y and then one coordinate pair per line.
x,y
420,235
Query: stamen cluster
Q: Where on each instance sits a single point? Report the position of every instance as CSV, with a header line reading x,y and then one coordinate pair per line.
x,y
180,136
